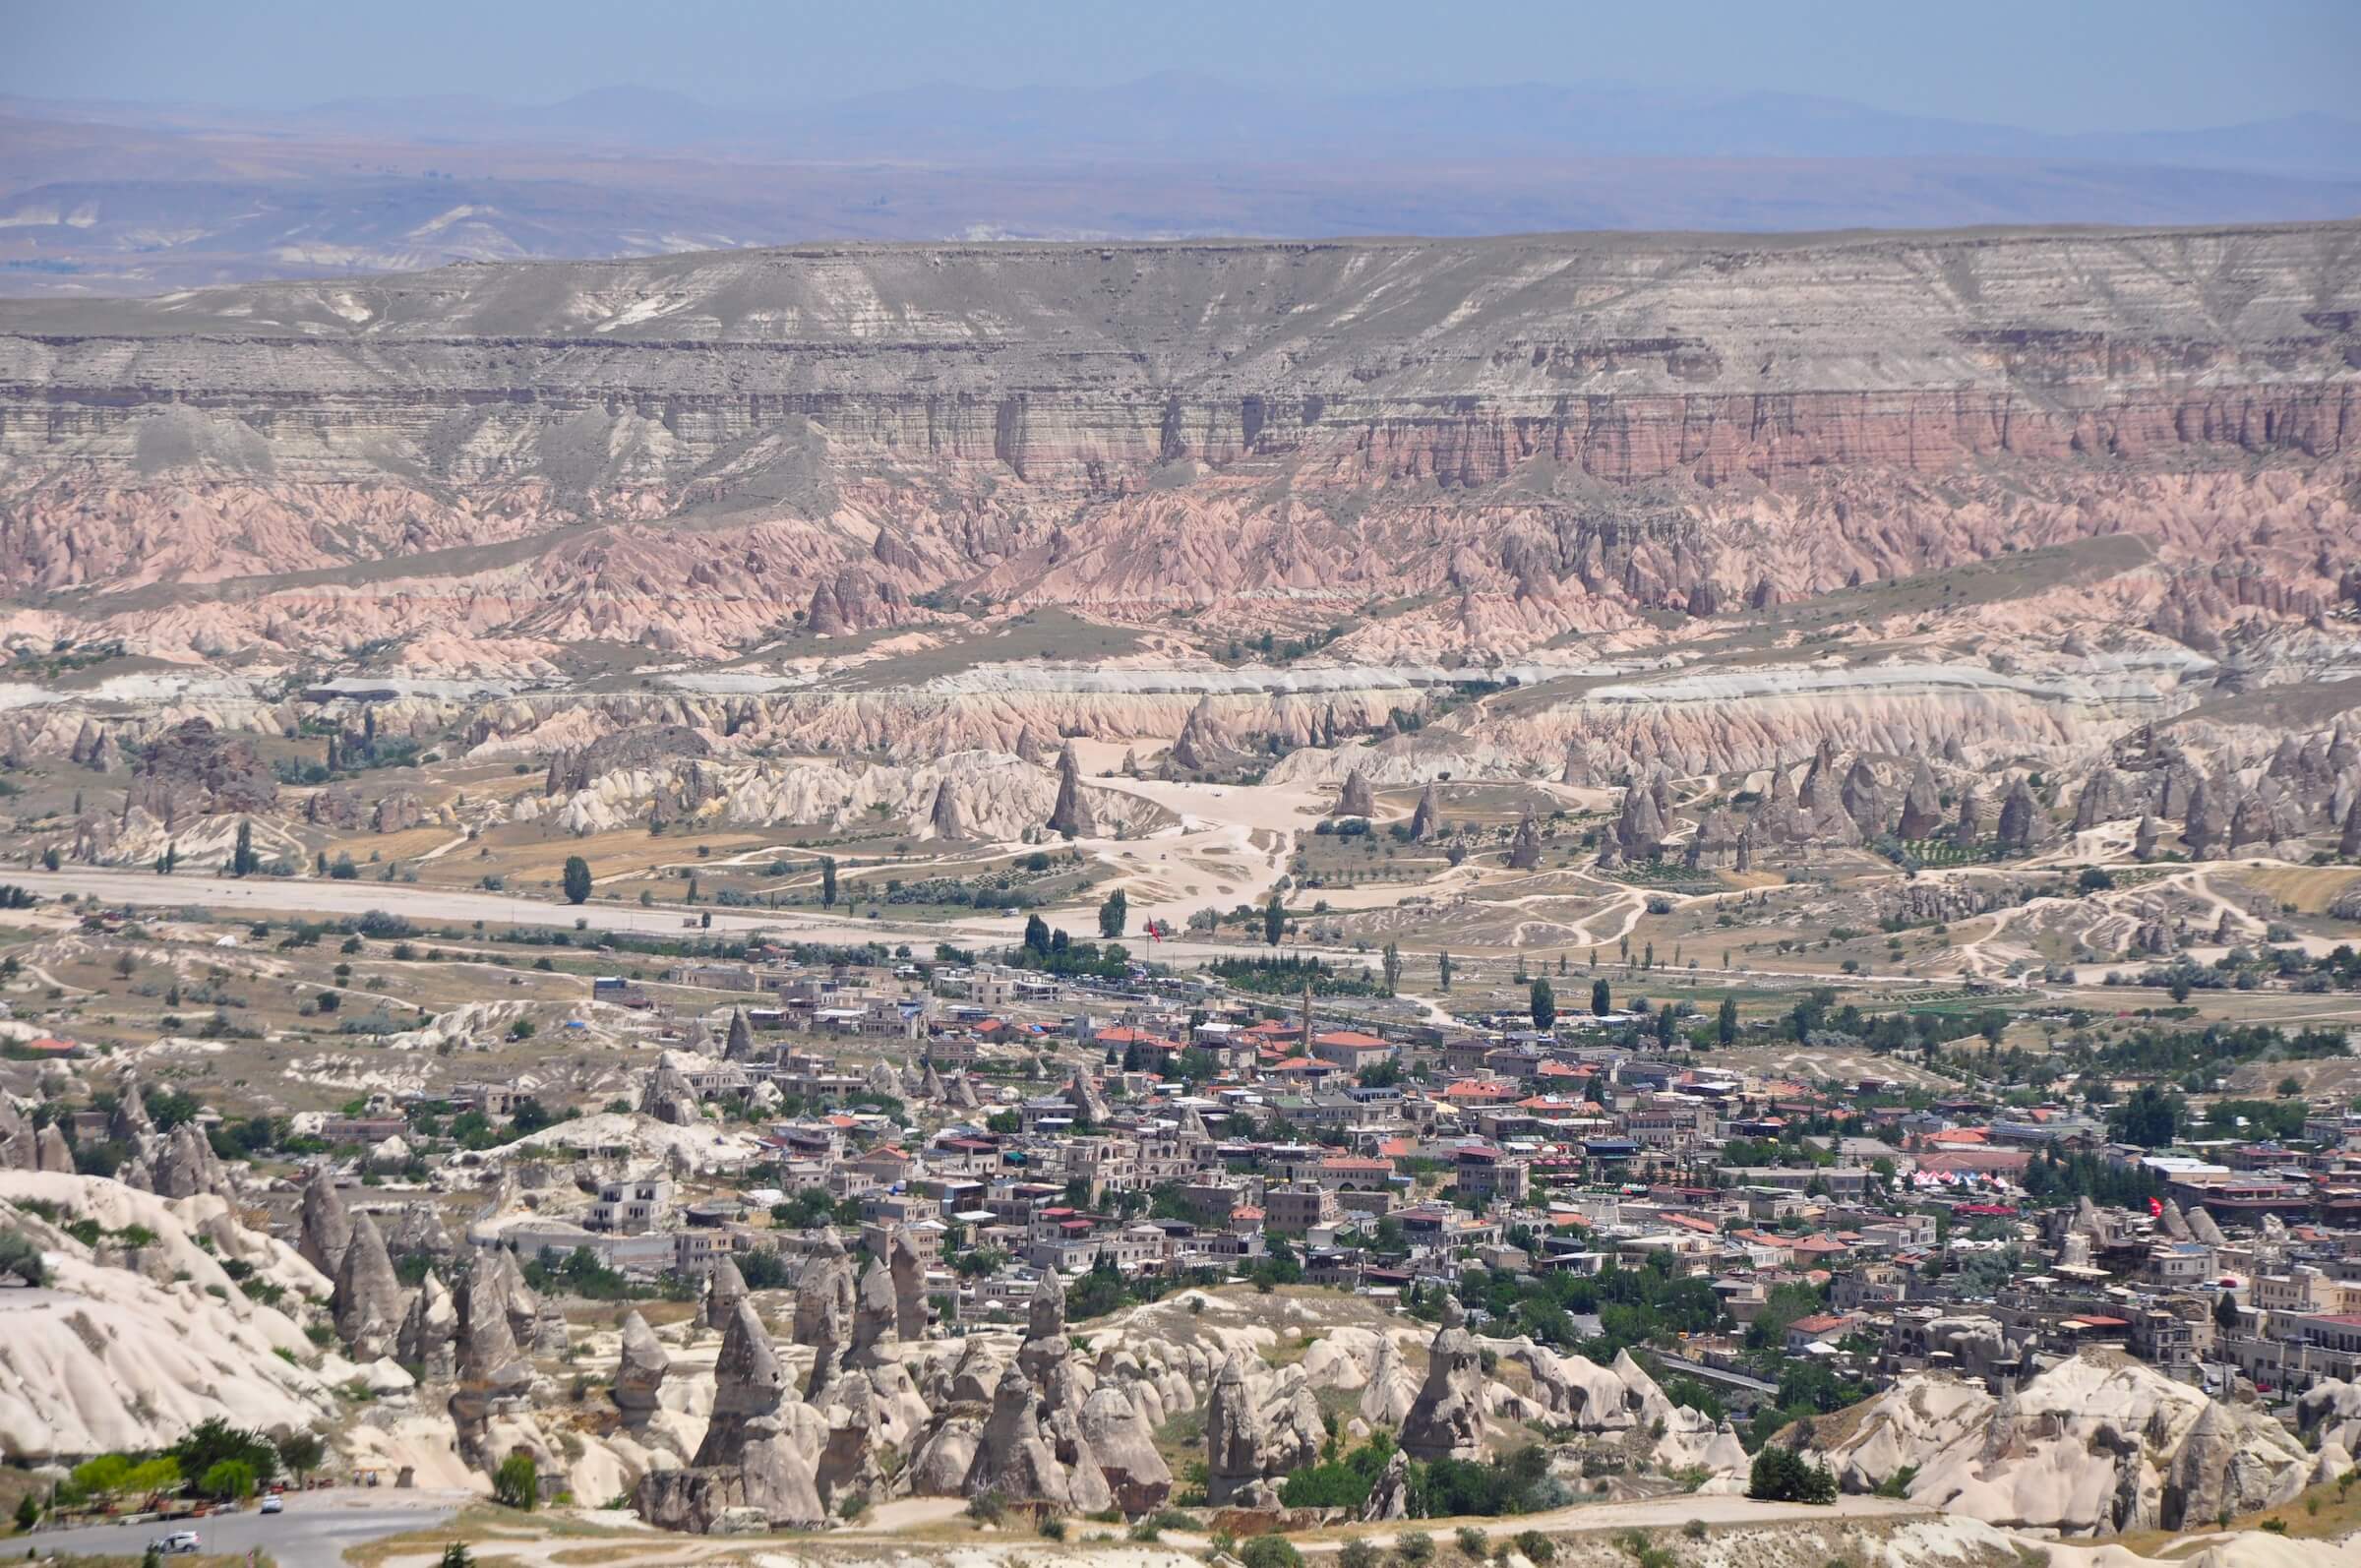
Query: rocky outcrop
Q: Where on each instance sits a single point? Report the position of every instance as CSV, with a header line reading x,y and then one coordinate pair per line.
x,y
1083,1094
669,1097
1922,805
1070,814
368,1302
1427,816
875,1319
1864,799
725,1288
1448,1419
639,1374
2022,826
748,1472
428,1341
1123,1446
1356,798
1011,1457
824,1304
1234,1444
2096,1445
910,1309
948,823
1525,848
187,1166
194,770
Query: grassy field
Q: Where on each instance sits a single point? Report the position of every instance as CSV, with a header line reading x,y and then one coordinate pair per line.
x,y
2310,889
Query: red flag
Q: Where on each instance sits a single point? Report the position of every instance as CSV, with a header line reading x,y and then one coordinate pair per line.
x,y
2155,1210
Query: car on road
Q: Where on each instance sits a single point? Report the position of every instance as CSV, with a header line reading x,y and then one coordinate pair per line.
x,y
274,1504
179,1541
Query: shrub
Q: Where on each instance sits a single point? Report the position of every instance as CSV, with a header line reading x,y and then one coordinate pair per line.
x,y
1051,1527
1898,1484
1356,1553
1536,1548
1269,1551
518,1483
987,1507
1471,1541
20,1257
1415,1547
1694,1530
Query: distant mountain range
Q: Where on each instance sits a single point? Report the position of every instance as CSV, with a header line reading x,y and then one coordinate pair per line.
x,y
118,197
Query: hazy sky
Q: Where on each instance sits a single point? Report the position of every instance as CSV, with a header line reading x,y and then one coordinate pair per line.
x,y
2062,65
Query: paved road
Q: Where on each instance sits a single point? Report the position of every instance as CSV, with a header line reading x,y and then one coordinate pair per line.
x,y
314,1533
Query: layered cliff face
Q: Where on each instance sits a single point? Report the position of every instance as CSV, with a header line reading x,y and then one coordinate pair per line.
x,y
1552,435
1717,500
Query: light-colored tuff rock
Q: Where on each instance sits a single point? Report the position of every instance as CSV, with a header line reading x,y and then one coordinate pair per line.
x,y
369,1299
1356,798
1123,1447
750,1458
825,1305
1448,1419
2095,1445
910,1309
639,1375
876,1317
119,1352
1235,1438
725,1288
187,1166
429,1337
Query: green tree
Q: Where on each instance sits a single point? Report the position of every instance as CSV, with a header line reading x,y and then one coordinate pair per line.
x,y
456,1555
1113,914
1784,1476
241,859
101,1476
518,1483
300,1453
828,882
1389,959
1545,1005
28,1511
1442,971
158,1475
2150,1118
1603,999
1726,1022
228,1481
1274,923
578,879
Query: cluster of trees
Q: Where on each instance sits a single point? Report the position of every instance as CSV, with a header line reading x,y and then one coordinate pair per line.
x,y
1287,977
1784,1475
1054,953
2054,1179
1519,1483
1634,1306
